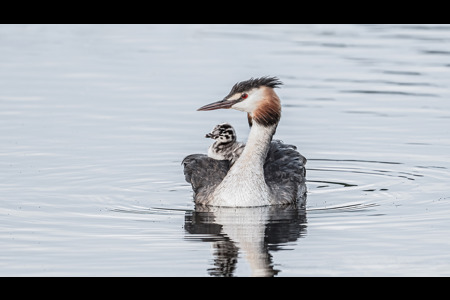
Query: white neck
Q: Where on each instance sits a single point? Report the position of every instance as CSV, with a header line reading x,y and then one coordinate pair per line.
x,y
244,184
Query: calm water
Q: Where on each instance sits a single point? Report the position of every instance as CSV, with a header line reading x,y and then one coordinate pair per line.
x,y
95,120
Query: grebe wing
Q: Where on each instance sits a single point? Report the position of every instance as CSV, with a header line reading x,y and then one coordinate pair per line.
x,y
204,174
284,172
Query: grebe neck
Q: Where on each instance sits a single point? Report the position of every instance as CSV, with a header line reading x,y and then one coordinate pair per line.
x,y
244,184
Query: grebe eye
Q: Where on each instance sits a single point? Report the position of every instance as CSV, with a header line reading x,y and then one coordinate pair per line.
x,y
244,96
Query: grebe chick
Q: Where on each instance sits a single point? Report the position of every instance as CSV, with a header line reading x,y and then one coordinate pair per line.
x,y
225,146
268,172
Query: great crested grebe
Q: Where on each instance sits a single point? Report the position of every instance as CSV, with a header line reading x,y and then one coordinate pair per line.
x,y
225,146
267,172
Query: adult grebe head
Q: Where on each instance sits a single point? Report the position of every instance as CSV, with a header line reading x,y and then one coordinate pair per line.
x,y
255,96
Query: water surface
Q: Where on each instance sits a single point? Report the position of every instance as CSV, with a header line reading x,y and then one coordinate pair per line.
x,y
95,120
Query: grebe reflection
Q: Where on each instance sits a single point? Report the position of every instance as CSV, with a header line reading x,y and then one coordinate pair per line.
x,y
245,233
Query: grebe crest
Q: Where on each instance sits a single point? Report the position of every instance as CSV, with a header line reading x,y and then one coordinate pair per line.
x,y
225,146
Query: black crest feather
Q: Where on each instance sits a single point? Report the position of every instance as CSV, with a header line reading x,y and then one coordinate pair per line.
x,y
240,87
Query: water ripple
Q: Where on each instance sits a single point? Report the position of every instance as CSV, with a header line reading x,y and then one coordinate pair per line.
x,y
398,93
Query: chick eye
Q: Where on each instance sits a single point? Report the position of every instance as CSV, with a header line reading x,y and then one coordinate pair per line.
x,y
244,96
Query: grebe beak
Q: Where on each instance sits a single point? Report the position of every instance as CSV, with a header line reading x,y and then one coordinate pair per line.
x,y
219,104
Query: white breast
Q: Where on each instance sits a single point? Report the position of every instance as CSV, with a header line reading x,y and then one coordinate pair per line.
x,y
244,185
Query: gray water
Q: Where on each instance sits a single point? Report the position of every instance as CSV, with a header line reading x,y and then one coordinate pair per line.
x,y
95,120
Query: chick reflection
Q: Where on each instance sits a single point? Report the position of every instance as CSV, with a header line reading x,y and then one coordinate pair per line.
x,y
252,232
